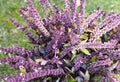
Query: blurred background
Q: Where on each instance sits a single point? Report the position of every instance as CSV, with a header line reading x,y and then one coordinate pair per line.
x,y
10,36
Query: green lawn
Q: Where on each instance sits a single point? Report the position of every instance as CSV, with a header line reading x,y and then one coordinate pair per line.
x,y
10,36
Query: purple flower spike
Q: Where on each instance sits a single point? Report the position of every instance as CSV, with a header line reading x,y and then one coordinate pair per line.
x,y
82,7
36,17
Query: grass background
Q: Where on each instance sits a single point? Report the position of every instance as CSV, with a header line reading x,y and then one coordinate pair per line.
x,y
10,36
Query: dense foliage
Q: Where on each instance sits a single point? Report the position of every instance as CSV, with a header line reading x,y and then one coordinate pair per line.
x,y
68,46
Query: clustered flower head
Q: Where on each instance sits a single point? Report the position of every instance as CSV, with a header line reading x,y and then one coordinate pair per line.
x,y
67,44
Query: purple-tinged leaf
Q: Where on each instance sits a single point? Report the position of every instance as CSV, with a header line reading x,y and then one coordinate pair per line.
x,y
114,54
78,62
62,40
65,51
118,66
53,44
111,77
74,38
55,60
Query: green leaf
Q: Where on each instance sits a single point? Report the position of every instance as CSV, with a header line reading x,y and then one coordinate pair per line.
x,y
117,76
105,37
69,78
85,51
85,36
87,76
69,71
67,62
22,70
73,57
92,59
96,78
74,52
49,79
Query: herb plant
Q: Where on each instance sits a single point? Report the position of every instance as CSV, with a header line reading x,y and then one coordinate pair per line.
x,y
68,46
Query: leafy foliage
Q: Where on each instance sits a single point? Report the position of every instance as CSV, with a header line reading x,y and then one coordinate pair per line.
x,y
61,40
